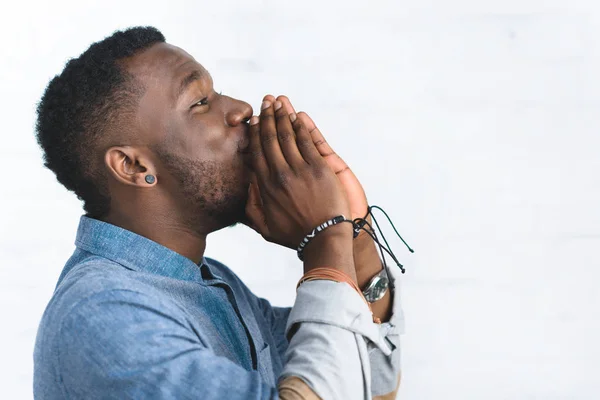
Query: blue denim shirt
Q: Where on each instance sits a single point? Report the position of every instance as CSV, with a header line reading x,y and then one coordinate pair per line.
x,y
132,319
193,318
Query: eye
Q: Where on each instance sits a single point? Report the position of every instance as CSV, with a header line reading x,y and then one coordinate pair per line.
x,y
202,102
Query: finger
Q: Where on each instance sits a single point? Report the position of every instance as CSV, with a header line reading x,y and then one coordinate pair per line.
x,y
268,138
287,104
304,141
270,98
287,136
335,162
354,189
257,158
320,141
310,124
333,159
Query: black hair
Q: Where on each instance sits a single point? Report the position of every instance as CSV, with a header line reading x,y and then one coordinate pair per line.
x,y
89,99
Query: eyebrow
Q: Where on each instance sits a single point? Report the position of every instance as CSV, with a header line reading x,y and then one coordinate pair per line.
x,y
190,78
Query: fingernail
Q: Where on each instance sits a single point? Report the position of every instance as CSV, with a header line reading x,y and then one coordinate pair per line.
x,y
265,104
254,120
277,105
292,117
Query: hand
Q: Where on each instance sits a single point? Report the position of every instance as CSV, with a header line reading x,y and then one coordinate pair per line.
x,y
366,259
293,189
352,187
354,191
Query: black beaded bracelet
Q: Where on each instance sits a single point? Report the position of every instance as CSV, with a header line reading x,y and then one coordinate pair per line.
x,y
360,224
320,228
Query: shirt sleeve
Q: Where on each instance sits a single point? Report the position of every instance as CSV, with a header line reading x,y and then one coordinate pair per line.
x,y
325,318
125,344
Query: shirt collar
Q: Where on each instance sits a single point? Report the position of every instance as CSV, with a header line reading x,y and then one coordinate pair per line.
x,y
136,252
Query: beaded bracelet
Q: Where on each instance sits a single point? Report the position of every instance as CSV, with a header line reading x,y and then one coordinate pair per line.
x,y
320,228
358,225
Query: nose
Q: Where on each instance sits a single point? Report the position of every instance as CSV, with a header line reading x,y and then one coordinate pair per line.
x,y
237,112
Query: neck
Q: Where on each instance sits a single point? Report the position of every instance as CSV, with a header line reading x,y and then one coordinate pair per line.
x,y
164,231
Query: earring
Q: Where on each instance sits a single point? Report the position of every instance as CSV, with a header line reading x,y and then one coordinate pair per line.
x,y
150,179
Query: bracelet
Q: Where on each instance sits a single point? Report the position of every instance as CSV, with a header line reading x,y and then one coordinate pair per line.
x,y
320,228
333,274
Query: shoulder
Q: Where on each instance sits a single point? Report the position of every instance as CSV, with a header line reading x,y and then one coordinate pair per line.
x,y
95,278
100,303
97,289
92,341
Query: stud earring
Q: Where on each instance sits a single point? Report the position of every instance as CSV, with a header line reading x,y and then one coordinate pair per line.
x,y
150,179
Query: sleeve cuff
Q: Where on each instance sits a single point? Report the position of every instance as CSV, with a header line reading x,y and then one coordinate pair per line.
x,y
385,368
395,326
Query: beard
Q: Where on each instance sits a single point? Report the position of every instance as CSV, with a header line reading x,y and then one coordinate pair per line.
x,y
214,194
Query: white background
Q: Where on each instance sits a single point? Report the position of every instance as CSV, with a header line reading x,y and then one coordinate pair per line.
x,y
474,123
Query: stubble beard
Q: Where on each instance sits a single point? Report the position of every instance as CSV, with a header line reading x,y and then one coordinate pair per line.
x,y
214,194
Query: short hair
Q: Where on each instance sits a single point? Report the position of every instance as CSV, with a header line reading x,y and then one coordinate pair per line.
x,y
90,97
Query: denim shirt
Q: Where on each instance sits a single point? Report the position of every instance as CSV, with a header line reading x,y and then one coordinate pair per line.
x,y
132,319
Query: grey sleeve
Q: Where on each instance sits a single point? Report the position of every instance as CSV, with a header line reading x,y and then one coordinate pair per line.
x,y
331,330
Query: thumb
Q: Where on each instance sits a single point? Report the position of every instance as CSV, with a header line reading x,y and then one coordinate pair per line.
x,y
255,212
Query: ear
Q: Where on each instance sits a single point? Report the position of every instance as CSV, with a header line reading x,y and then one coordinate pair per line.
x,y
130,166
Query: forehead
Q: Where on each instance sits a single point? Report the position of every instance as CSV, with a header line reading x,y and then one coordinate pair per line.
x,y
162,65
160,69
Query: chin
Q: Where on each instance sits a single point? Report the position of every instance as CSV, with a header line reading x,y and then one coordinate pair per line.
x,y
232,209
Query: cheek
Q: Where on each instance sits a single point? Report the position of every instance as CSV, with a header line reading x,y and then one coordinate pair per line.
x,y
209,140
196,142
218,147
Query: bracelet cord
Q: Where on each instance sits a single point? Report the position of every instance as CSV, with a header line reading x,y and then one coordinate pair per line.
x,y
361,224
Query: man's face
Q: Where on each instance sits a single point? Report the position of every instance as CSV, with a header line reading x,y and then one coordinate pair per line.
x,y
197,135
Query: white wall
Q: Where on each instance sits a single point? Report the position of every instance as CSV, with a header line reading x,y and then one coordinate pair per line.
x,y
473,123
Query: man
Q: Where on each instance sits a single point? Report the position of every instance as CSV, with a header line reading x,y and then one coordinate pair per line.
x,y
135,128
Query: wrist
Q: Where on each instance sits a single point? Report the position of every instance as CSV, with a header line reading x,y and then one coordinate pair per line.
x,y
331,248
366,260
363,236
366,257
